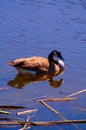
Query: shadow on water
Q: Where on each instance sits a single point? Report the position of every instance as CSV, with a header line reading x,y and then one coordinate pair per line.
x,y
22,79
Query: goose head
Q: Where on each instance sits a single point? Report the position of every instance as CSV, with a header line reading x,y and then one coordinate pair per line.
x,y
56,57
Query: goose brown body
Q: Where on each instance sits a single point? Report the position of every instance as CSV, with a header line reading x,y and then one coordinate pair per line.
x,y
40,65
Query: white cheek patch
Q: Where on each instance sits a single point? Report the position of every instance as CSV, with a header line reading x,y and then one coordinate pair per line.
x,y
61,63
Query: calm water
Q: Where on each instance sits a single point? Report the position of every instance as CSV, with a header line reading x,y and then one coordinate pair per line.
x,y
36,27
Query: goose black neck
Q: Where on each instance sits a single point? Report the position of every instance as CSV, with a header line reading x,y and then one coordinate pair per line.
x,y
50,57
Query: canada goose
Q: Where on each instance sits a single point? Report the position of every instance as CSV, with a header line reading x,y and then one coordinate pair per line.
x,y
40,65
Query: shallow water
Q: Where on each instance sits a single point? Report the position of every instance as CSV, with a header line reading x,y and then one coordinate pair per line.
x,y
36,27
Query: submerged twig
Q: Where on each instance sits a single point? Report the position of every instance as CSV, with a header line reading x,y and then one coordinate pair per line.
x,y
82,109
9,107
31,99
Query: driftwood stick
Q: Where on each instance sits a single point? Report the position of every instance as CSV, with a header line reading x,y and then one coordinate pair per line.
x,y
67,98
4,112
41,123
47,123
27,112
57,99
53,110
56,112
26,125
76,93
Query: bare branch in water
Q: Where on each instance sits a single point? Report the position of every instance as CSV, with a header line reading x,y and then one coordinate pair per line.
x,y
76,93
27,111
42,123
57,99
53,110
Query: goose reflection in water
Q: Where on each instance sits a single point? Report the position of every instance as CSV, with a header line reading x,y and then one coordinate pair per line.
x,y
22,79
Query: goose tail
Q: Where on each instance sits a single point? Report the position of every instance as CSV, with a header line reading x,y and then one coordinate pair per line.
x,y
11,63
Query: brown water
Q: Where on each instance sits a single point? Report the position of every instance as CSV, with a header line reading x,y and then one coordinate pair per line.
x,y
36,27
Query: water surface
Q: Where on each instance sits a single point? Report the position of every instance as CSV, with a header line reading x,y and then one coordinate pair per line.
x,y
36,27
